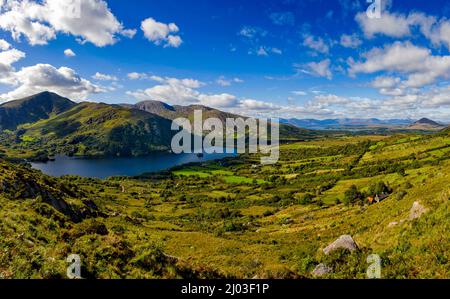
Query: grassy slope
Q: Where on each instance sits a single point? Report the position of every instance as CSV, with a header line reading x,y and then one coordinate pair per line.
x,y
32,109
254,226
100,129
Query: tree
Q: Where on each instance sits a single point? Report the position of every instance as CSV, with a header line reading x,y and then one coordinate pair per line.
x,y
379,188
352,195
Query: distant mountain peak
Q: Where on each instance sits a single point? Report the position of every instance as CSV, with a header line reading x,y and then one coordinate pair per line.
x,y
427,121
32,108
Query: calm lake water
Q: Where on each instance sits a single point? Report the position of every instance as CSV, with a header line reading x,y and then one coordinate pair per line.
x,y
115,166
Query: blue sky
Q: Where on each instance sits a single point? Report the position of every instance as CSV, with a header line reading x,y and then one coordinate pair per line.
x,y
286,58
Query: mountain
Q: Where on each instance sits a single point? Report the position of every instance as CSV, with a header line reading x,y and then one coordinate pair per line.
x,y
31,109
287,131
173,112
346,123
426,124
101,129
47,124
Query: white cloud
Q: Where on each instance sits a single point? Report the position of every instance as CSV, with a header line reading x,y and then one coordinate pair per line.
x,y
137,76
45,77
316,43
223,100
222,81
385,82
350,41
252,33
69,53
185,92
104,77
40,22
400,25
318,69
8,56
160,33
262,52
277,51
4,45
11,56
299,93
389,24
417,64
188,82
255,105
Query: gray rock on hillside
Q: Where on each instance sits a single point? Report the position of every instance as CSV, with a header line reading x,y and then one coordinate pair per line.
x,y
321,270
344,242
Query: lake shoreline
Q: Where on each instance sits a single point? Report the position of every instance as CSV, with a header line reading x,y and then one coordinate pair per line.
x,y
106,167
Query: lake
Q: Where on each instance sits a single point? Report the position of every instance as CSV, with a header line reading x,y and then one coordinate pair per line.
x,y
119,166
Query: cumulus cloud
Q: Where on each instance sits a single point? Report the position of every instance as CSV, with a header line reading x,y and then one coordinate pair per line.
x,y
316,43
350,41
4,45
69,53
185,92
317,69
11,56
401,25
8,56
104,77
321,105
91,21
393,25
417,64
44,77
161,33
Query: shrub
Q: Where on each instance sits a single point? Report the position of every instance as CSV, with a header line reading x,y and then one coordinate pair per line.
x,y
401,195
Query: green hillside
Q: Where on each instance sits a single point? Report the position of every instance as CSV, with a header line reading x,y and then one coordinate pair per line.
x,y
232,219
32,109
49,125
98,129
287,132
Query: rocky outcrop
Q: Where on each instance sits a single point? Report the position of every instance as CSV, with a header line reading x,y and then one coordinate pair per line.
x,y
321,270
417,211
343,242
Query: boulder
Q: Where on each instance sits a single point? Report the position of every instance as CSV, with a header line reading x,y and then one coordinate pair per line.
x,y
417,211
321,270
344,242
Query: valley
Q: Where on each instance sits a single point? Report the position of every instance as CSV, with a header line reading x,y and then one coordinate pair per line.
x,y
235,218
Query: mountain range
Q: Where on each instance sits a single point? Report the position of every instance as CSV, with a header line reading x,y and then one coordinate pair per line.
x,y
52,124
361,124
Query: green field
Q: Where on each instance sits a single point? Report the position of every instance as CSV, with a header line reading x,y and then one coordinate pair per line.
x,y
238,219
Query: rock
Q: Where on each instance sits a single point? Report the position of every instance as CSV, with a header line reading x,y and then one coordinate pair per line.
x,y
321,270
417,211
345,242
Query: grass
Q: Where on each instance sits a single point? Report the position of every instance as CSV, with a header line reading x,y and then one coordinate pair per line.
x,y
218,223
